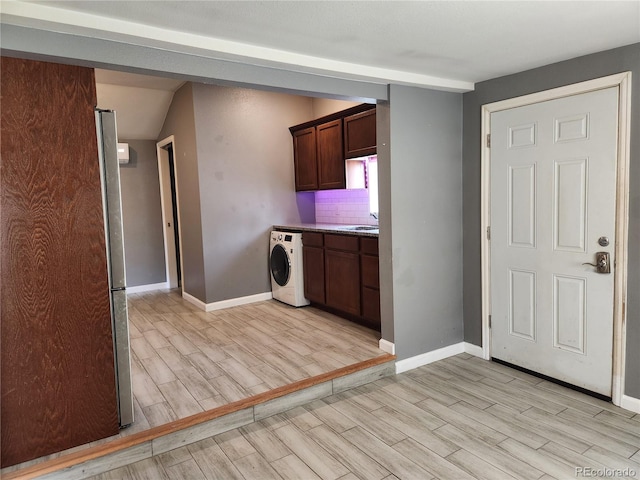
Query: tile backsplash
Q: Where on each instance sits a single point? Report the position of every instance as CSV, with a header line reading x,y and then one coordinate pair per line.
x,y
344,207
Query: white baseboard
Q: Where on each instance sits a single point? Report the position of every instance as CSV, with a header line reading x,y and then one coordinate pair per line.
x,y
630,403
148,288
194,301
474,350
387,346
429,357
232,302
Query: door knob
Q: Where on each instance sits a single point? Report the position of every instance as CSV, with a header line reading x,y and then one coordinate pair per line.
x,y
602,262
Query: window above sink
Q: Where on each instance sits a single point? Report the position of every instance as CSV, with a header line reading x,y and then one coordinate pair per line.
x,y
362,173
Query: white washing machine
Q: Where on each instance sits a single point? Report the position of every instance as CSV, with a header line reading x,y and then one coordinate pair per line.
x,y
285,263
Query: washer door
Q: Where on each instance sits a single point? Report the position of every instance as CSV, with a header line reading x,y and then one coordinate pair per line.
x,y
280,265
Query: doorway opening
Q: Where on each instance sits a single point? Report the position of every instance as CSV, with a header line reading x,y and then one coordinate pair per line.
x,y
169,199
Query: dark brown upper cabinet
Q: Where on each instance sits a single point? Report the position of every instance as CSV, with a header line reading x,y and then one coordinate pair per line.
x,y
331,168
319,147
360,134
305,161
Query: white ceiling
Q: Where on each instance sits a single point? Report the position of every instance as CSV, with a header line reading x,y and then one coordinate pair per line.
x,y
457,40
438,44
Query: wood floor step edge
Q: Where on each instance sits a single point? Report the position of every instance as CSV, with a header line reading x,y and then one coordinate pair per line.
x,y
97,452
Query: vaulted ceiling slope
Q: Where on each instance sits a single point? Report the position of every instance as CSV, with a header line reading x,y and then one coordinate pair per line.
x,y
141,102
446,44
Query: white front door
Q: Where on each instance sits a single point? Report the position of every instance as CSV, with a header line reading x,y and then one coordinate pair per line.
x,y
553,203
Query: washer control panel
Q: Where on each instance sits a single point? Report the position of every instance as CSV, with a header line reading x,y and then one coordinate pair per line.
x,y
281,236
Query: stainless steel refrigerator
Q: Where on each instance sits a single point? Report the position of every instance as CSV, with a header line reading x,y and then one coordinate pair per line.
x,y
110,178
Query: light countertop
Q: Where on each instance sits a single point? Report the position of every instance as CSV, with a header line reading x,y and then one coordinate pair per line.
x,y
330,228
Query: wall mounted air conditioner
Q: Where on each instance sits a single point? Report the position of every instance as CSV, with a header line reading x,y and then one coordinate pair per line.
x,y
123,153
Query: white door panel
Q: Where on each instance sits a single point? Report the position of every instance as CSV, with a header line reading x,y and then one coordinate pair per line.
x,y
553,191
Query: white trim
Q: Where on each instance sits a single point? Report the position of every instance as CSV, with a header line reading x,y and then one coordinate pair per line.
x,y
147,288
194,301
485,220
623,82
429,357
474,350
387,346
160,154
630,403
622,236
232,302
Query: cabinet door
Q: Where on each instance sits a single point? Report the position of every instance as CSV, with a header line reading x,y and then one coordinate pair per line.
x,y
371,306
360,134
304,157
58,385
313,266
342,272
331,166
370,271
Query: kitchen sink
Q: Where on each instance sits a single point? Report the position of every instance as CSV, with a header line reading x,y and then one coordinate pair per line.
x,y
362,227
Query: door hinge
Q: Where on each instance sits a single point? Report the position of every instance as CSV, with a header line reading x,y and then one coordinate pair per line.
x,y
489,321
488,233
488,140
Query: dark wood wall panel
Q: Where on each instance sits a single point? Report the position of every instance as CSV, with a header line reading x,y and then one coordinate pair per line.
x,y
57,371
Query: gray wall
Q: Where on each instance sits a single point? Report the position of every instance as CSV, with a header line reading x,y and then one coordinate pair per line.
x,y
180,123
426,218
544,78
142,215
385,244
245,165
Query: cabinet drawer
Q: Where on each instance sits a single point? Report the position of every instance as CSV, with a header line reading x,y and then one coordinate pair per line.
x,y
369,245
341,242
312,239
370,271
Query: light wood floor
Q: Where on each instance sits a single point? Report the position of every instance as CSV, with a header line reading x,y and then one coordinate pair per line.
x,y
460,418
185,361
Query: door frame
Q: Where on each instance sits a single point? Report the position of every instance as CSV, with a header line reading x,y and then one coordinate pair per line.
x,y
623,82
165,198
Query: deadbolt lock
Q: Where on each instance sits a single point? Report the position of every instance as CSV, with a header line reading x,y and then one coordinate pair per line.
x,y
602,264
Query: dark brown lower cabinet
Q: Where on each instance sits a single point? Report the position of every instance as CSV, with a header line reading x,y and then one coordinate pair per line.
x,y
342,278
57,367
313,260
370,285
371,305
341,273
